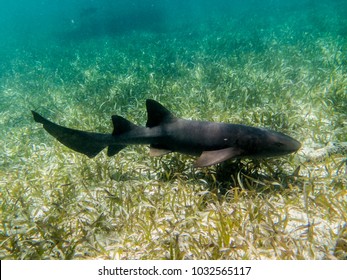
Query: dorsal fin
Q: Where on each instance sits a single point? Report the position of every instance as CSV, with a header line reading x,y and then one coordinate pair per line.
x,y
121,125
157,114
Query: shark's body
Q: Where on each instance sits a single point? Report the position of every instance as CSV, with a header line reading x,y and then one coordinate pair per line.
x,y
212,142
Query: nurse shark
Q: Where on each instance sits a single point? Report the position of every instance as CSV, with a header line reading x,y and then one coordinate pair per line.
x,y
212,142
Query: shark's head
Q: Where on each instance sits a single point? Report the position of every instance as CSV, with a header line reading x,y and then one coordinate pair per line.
x,y
278,144
268,143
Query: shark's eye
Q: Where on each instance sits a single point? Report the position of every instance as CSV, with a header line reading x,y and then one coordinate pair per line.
x,y
279,144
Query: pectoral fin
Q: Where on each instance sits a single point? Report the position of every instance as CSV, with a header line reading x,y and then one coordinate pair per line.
x,y
158,152
208,158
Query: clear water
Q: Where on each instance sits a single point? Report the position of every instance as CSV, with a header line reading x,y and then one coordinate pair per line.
x,y
279,64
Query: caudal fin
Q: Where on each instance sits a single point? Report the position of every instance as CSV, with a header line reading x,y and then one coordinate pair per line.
x,y
87,143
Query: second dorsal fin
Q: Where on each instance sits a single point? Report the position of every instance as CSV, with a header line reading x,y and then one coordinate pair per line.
x,y
157,114
121,125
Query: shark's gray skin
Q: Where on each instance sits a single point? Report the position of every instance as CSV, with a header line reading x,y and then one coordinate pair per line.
x,y
165,133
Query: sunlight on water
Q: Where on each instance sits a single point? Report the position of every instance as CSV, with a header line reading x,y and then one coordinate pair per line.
x,y
279,65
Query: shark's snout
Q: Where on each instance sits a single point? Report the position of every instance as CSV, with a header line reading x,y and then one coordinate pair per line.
x,y
294,145
283,144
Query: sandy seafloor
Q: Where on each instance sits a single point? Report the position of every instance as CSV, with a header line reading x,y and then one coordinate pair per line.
x,y
276,65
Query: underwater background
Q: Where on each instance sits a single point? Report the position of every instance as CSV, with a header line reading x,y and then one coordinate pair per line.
x,y
275,64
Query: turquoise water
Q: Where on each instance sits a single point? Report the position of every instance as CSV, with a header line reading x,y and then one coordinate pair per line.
x,y
23,22
58,40
275,64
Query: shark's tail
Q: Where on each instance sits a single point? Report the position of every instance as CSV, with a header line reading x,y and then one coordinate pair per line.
x,y
87,143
